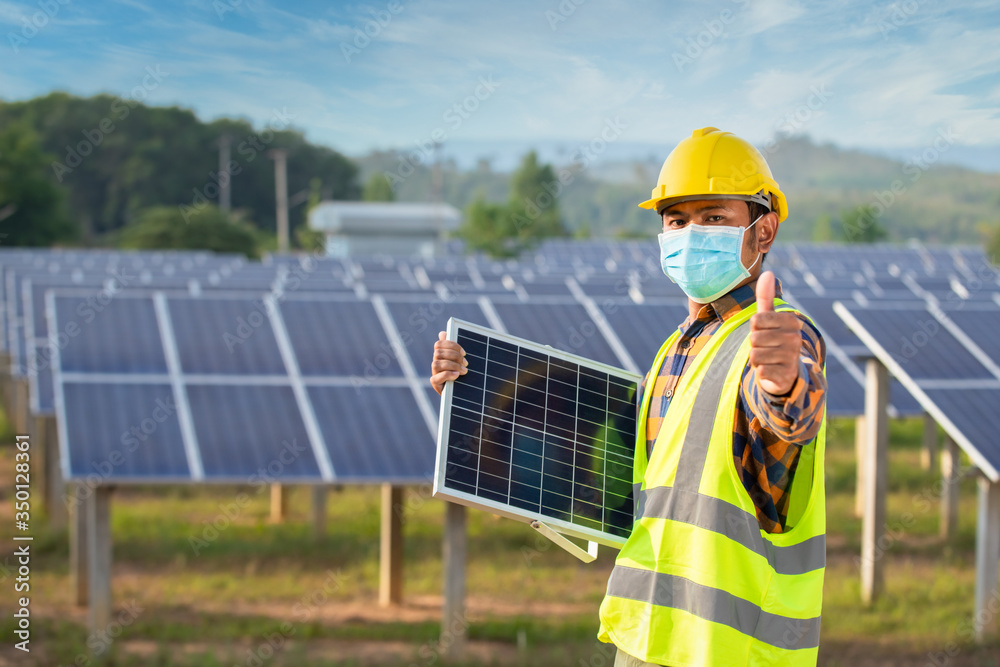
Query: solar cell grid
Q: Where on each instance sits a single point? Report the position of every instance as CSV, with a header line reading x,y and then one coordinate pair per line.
x,y
545,434
225,336
122,431
564,326
121,337
340,338
920,344
982,326
419,322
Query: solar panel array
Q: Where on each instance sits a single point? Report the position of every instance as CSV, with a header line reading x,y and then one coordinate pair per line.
x,y
948,356
355,336
534,433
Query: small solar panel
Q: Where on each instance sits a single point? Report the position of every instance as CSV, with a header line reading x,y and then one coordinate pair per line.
x,y
533,433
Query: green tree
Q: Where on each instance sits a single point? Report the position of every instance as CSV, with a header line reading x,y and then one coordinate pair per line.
x,y
206,228
861,225
116,157
534,200
530,214
32,211
377,188
488,227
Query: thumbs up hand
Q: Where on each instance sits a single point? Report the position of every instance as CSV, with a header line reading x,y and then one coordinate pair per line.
x,y
775,341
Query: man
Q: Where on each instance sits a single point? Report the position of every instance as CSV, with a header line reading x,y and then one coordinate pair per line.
x,y
725,562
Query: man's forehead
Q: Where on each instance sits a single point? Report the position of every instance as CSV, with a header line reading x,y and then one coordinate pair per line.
x,y
701,205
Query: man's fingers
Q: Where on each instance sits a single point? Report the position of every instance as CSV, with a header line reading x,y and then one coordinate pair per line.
x,y
450,355
438,379
775,338
449,362
445,365
773,320
765,356
765,292
442,344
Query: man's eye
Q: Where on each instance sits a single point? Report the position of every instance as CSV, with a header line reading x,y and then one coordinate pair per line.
x,y
715,218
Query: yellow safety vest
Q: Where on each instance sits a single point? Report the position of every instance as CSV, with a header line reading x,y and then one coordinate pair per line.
x,y
698,583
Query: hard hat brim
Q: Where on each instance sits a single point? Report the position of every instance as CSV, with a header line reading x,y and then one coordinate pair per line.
x,y
778,204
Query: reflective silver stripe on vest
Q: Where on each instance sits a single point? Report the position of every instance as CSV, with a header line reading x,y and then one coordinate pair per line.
x,y
713,604
706,404
721,517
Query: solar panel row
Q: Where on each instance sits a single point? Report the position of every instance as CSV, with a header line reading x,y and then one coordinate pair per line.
x,y
602,300
950,362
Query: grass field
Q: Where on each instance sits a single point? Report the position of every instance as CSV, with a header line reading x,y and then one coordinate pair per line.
x,y
256,594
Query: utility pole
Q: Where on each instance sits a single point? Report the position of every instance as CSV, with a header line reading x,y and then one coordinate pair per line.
x,y
225,177
280,157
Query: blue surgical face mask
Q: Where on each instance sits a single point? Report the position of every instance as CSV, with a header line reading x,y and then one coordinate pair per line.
x,y
705,261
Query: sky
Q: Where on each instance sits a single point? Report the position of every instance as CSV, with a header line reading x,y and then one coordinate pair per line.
x,y
891,77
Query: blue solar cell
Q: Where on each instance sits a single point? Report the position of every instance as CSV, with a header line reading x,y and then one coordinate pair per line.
x,y
249,432
225,336
605,287
558,288
123,431
903,400
419,323
974,412
845,396
342,338
643,329
660,286
41,377
364,444
121,337
435,400
983,327
820,310
919,344
565,327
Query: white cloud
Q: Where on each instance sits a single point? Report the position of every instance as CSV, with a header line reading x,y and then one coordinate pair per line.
x,y
886,89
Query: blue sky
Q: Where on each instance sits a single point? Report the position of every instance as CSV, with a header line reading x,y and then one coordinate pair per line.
x,y
880,76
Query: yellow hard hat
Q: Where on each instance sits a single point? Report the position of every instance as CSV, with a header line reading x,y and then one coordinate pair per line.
x,y
712,164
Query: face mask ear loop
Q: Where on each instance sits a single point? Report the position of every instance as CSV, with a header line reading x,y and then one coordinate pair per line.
x,y
750,268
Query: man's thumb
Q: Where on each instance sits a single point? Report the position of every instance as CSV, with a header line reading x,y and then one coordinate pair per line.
x,y
765,292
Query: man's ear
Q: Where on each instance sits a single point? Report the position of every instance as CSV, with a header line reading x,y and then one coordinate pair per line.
x,y
767,230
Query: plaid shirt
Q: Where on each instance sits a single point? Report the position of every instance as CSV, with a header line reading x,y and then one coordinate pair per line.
x,y
768,430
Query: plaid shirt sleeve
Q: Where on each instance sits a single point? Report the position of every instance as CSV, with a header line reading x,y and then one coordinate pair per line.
x,y
770,431
795,417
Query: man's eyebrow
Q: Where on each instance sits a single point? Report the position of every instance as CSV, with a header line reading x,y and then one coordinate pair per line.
x,y
710,207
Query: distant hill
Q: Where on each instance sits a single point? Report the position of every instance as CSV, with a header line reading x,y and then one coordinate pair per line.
x,y
115,157
936,202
